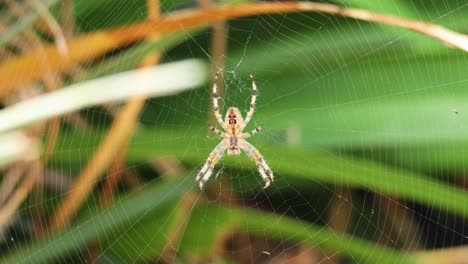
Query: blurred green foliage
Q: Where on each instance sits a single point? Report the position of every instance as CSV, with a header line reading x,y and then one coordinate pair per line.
x,y
371,107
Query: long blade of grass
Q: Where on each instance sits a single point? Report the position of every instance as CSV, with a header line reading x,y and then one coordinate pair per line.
x,y
157,81
407,109
377,100
17,146
294,162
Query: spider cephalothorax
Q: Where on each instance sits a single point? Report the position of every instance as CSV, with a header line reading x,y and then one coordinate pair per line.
x,y
233,117
234,139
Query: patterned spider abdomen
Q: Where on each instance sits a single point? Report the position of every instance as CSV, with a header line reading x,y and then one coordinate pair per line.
x,y
233,146
233,123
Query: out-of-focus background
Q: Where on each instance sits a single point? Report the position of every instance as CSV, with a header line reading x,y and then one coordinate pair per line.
x,y
103,129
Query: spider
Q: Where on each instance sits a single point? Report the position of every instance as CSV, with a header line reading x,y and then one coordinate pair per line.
x,y
234,138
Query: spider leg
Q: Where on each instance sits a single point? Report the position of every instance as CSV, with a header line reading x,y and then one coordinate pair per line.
x,y
208,168
216,131
252,102
262,166
253,132
215,98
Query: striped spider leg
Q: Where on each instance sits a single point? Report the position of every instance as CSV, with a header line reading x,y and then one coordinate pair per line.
x,y
262,166
234,138
207,169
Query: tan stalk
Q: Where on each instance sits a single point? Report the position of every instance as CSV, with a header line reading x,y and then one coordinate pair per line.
x,y
106,152
60,40
35,172
67,18
118,166
339,218
401,223
452,255
17,198
30,69
10,180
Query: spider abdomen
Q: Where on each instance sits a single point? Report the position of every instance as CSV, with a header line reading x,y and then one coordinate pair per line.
x,y
233,143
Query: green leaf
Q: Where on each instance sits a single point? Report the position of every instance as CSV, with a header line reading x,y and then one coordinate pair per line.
x,y
116,225
294,162
401,8
283,228
145,238
122,214
376,102
206,228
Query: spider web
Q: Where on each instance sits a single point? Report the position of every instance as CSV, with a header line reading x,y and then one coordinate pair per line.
x,y
333,93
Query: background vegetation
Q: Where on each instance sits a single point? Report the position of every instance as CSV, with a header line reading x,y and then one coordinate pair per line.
x,y
365,130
